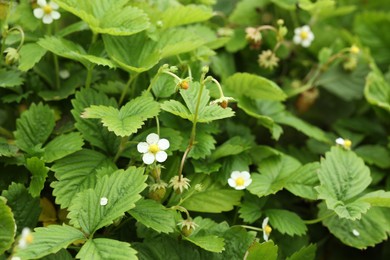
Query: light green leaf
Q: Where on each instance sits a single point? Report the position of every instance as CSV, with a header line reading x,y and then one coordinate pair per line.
x,y
377,91
177,108
286,222
25,208
128,119
253,86
210,243
164,86
62,146
203,145
305,253
104,248
121,189
251,209
34,127
74,27
76,173
302,181
343,175
245,12
154,215
233,146
50,239
113,17
374,154
92,130
377,198
275,172
213,198
39,173
63,254
10,78
185,14
371,229
267,250
191,97
214,112
136,53
7,226
73,51
30,54
8,150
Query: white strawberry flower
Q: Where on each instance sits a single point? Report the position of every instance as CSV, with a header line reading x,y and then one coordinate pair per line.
x,y
47,11
303,36
153,149
266,229
239,180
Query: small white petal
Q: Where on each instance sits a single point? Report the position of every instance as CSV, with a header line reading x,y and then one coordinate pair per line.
x,y
42,2
340,141
161,156
38,13
152,138
232,183
16,258
305,28
163,144
297,39
148,158
265,236
235,175
54,5
240,187
245,175
64,74
55,15
305,43
297,31
265,223
355,232
142,147
103,201
247,182
47,19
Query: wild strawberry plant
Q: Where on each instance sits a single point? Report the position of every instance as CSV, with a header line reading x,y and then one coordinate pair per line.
x,y
203,129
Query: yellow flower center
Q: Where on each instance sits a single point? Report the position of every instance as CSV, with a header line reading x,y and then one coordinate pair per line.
x,y
267,230
304,35
29,238
47,9
153,148
240,181
347,144
354,49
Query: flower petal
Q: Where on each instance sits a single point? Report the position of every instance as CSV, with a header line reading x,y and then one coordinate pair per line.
x,y
55,15
163,144
265,223
232,183
148,158
152,138
247,182
42,3
38,13
142,147
240,187
47,19
245,175
53,5
305,43
161,156
297,39
235,175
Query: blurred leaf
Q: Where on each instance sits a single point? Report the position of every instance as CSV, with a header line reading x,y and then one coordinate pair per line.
x,y
377,90
154,215
128,119
25,208
302,181
69,144
185,14
8,150
377,198
75,173
237,241
267,250
48,214
49,240
343,176
286,222
30,54
63,254
74,27
39,173
305,253
374,154
10,78
7,226
121,188
113,17
34,127
104,248
233,146
92,130
371,229
246,13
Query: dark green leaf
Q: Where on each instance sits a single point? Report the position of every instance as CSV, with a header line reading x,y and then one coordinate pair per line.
x,y
39,173
103,248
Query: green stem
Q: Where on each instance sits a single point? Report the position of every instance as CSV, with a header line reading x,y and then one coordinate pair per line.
x,y
317,220
4,132
158,126
181,209
88,80
121,148
57,70
128,84
252,228
172,74
219,87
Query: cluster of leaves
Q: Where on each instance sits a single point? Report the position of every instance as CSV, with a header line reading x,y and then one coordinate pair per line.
x,y
88,88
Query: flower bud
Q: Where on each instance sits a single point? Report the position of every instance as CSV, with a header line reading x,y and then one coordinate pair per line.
x,y
157,194
12,56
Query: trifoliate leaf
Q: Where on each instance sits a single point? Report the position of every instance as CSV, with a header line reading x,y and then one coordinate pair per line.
x,y
25,208
121,189
185,14
371,229
104,248
178,109
203,145
73,51
114,17
267,250
343,175
210,243
69,144
377,90
305,253
251,209
286,222
212,196
10,78
47,240
154,215
253,86
7,226
30,54
34,127
302,181
136,53
76,173
92,130
128,119
39,173
275,172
